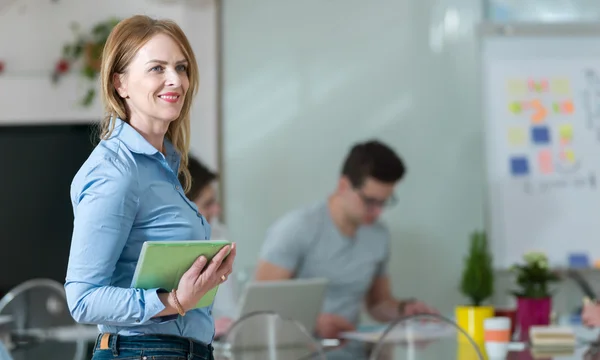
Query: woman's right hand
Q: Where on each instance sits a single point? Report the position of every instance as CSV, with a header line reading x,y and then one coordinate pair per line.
x,y
200,278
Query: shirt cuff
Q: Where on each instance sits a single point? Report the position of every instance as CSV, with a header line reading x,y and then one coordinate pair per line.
x,y
154,306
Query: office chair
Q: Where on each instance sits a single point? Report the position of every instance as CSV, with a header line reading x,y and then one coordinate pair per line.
x,y
406,327
41,326
266,335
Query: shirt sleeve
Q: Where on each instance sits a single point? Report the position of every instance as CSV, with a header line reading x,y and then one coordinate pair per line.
x,y
105,202
285,243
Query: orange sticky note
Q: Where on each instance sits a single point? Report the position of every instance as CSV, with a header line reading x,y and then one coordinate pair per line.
x,y
568,107
545,162
539,111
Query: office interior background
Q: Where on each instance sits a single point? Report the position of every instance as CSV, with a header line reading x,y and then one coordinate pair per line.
x,y
286,88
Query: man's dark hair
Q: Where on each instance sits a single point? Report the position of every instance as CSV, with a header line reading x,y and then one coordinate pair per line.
x,y
201,177
372,159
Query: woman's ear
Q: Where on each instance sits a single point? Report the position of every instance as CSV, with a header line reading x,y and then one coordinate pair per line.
x,y
120,85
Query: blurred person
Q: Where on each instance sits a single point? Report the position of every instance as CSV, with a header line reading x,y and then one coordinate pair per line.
x,y
128,192
342,239
204,194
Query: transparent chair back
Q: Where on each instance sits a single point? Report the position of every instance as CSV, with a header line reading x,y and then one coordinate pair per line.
x,y
425,336
41,326
268,336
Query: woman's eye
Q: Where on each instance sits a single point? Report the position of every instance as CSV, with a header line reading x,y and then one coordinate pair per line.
x,y
181,68
157,68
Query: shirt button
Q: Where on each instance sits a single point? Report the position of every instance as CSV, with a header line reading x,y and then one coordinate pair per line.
x,y
177,187
199,215
137,320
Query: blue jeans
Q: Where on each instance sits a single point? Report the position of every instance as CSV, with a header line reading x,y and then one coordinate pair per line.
x,y
150,347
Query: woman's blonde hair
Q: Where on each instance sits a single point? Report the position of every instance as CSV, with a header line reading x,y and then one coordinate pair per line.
x,y
123,43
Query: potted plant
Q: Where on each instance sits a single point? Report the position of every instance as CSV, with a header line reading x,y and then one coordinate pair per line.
x,y
86,47
477,284
534,298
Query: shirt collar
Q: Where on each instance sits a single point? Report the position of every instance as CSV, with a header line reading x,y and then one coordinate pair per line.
x,y
136,143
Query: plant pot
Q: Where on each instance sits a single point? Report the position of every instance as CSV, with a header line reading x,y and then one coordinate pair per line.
x,y
531,312
470,319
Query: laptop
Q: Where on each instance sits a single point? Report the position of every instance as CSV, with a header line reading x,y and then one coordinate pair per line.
x,y
298,299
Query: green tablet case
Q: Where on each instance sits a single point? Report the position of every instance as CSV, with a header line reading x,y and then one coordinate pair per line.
x,y
162,264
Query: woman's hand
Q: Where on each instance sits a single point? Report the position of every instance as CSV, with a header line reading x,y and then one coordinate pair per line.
x,y
200,278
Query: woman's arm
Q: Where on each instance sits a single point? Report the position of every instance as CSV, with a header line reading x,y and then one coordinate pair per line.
x,y
105,203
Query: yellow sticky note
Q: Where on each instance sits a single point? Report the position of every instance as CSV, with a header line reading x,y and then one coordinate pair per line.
x,y
568,155
560,86
517,136
516,87
566,132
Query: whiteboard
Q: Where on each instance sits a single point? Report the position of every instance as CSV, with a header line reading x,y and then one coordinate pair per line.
x,y
541,96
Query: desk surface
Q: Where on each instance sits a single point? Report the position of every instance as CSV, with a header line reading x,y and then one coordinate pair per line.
x,y
447,349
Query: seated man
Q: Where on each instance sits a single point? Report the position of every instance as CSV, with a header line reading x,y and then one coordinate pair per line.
x,y
341,239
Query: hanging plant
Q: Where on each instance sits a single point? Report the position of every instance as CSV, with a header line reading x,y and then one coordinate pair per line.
x,y
86,50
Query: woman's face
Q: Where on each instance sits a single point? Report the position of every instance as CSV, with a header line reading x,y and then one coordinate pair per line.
x,y
155,82
207,203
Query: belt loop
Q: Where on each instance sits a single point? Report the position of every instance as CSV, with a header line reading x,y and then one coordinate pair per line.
x,y
190,350
113,344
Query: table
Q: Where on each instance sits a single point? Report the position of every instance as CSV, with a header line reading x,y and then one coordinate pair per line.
x,y
440,349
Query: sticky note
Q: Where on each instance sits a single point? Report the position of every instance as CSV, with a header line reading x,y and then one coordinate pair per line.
x,y
517,136
569,155
515,107
556,107
565,132
540,135
519,166
560,86
545,162
539,111
516,87
568,107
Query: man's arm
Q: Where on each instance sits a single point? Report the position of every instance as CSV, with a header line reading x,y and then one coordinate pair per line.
x,y
282,250
383,307
381,304
266,271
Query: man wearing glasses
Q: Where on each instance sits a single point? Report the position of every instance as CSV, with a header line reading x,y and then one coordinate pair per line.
x,y
341,239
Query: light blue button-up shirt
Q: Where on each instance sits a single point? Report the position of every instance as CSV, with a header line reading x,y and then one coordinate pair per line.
x,y
127,192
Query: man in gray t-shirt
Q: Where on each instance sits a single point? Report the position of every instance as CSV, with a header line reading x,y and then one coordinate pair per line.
x,y
341,239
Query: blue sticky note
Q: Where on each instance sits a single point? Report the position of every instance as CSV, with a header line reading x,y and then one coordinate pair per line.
x,y
540,135
579,260
519,166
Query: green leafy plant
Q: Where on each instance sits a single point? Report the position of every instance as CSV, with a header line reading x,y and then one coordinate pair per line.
x,y
86,47
534,276
478,275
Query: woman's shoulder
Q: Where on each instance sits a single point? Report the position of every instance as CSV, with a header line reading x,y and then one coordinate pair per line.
x,y
108,162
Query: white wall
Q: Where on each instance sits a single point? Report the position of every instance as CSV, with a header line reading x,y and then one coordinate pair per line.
x,y
32,35
303,80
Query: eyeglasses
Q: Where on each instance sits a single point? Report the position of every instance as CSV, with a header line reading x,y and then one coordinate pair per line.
x,y
372,202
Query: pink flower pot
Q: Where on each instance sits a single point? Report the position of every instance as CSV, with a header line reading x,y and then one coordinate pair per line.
x,y
532,312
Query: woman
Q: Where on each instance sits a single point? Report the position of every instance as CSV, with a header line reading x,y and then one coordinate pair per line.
x,y
128,192
204,195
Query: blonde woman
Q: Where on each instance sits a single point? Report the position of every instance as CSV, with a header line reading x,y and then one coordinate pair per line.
x,y
128,192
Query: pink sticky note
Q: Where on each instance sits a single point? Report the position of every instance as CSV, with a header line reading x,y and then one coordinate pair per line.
x,y
545,162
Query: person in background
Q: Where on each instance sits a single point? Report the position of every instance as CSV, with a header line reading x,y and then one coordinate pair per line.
x,y
204,195
128,192
341,239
